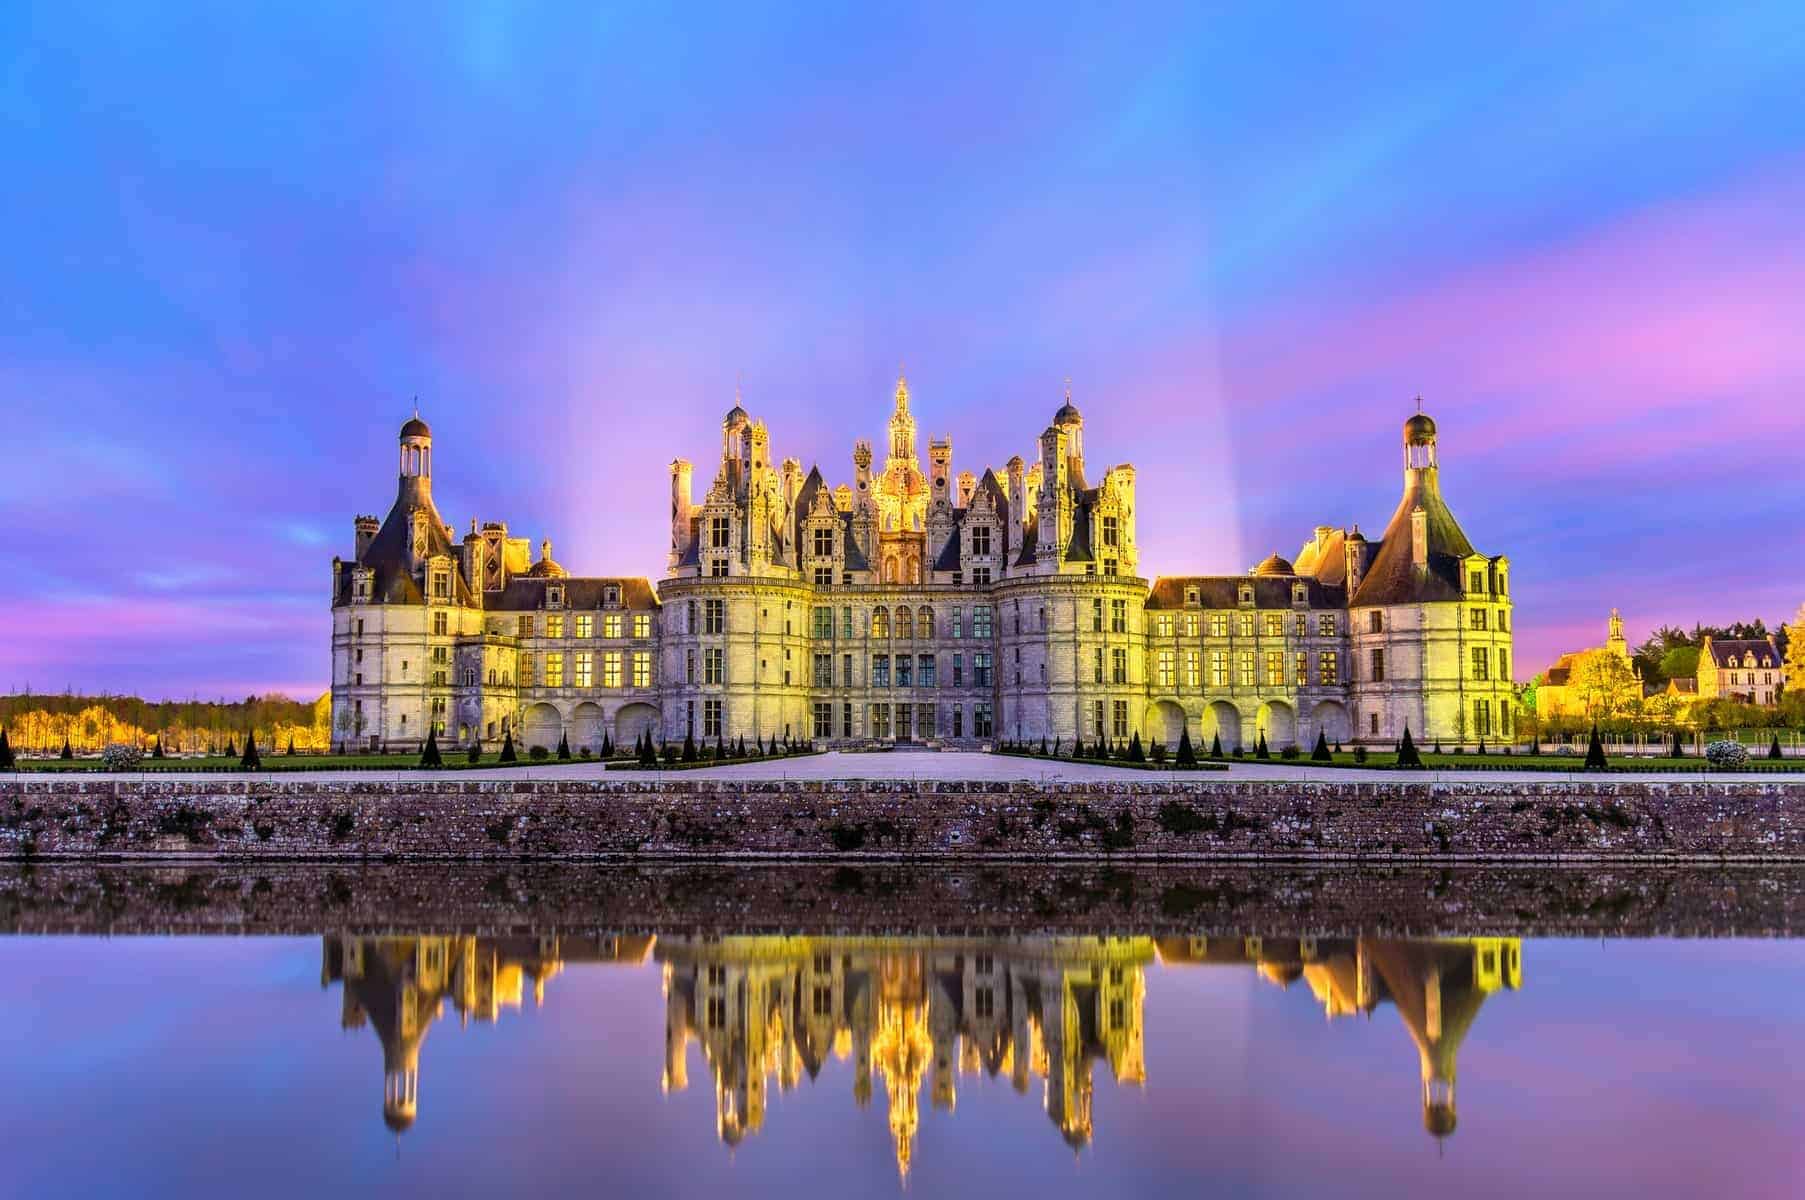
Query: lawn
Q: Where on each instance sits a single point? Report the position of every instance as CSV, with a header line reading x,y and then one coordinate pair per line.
x,y
1530,762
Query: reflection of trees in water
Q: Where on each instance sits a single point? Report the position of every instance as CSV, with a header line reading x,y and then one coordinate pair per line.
x,y
909,1010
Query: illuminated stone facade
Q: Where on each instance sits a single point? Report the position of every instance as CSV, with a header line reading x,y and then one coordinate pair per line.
x,y
914,604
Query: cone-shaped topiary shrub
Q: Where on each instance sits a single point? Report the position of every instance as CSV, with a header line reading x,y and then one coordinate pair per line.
x,y
1187,754
156,751
1773,747
476,751
68,751
507,748
1407,755
1216,745
1677,750
7,761
251,760
689,747
1135,753
291,745
1321,753
231,748
429,754
1595,759
1259,749
563,748
607,744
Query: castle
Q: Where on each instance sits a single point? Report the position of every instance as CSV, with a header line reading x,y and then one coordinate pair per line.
x,y
916,605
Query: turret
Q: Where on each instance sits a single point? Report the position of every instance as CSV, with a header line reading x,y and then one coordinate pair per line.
x,y
968,483
1071,422
1353,547
1018,493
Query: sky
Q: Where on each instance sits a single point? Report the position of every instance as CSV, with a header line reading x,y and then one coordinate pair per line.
x,y
236,242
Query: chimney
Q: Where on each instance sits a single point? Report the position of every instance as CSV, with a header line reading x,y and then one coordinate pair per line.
x,y
366,528
681,508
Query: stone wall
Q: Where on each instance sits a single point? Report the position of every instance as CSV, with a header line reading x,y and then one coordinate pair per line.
x,y
889,898
851,819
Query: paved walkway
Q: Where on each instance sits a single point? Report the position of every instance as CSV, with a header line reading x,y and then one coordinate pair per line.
x,y
931,765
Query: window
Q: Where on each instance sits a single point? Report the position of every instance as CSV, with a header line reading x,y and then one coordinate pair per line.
x,y
980,576
582,625
1219,668
1275,668
689,666
554,670
980,670
1118,616
1244,673
981,722
717,568
583,671
1328,667
1244,624
905,671
1303,668
1097,718
554,625
711,717
824,711
821,623
714,616
719,533
611,668
1097,614
824,670
824,548
980,539
1303,625
1118,665
1476,581
1162,624
905,622
1325,624
1476,619
1119,715
611,595
1218,624
1375,621
1275,625
611,625
642,668
1378,666
1193,675
958,626
880,720
924,623
439,623
1190,624
880,670
1482,717
1097,672
714,665
1503,621
1503,665
1372,724
1166,668
980,621
441,585
926,674
958,721
1481,664
880,622
846,720
958,670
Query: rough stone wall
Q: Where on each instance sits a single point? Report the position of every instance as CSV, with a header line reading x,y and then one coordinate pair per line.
x,y
514,818
882,898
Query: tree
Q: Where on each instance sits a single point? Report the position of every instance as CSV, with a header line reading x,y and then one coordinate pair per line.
x,y
1681,662
429,757
156,751
1676,750
251,759
1321,753
563,747
1407,755
1259,750
607,745
1773,747
291,745
1216,745
1187,754
689,747
507,754
1595,759
1135,753
1795,653
7,762
1605,683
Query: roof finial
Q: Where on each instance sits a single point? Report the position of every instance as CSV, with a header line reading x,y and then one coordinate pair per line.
x,y
1068,389
737,376
416,404
1419,403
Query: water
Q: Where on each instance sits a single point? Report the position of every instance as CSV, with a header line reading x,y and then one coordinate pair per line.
x,y
640,1061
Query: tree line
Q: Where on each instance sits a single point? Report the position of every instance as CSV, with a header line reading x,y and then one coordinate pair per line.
x,y
42,724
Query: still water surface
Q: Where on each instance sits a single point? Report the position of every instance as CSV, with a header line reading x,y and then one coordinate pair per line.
x,y
755,1066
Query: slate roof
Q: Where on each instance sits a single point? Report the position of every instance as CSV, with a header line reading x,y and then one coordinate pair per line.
x,y
1731,651
387,554
523,593
1394,577
1224,591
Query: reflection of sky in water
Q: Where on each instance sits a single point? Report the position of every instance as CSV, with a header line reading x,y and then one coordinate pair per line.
x,y
217,1066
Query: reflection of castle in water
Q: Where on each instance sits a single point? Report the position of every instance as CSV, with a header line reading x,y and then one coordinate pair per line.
x,y
905,1010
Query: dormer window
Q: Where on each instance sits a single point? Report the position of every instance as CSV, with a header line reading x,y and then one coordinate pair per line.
x,y
1300,594
824,543
1246,597
1193,597
1110,532
441,585
718,532
554,596
980,539
611,595
1476,581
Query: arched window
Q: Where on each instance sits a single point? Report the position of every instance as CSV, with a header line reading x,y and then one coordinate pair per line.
x,y
905,622
924,622
507,679
880,622
491,676
469,676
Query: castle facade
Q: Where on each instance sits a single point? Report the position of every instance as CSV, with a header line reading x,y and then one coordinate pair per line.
x,y
913,604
